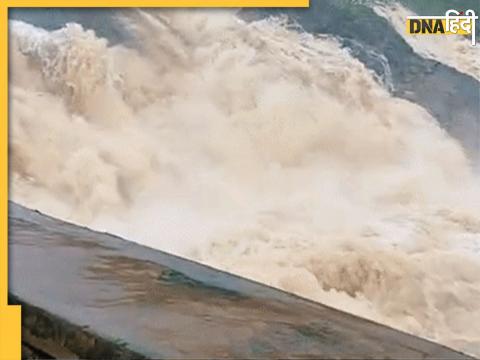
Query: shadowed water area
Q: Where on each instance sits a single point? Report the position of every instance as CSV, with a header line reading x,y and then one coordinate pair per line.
x,y
452,97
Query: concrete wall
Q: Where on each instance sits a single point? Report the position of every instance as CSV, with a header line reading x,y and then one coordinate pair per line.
x,y
87,294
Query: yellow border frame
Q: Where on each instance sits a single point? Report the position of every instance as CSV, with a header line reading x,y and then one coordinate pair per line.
x,y
10,328
10,323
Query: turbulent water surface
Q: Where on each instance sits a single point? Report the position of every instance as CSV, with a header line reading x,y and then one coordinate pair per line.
x,y
265,146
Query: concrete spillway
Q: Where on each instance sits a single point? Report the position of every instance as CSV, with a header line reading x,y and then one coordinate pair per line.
x,y
87,294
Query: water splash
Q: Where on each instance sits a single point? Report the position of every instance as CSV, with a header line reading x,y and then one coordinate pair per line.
x,y
252,147
454,51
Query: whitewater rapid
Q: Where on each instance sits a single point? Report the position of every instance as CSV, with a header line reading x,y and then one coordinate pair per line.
x,y
257,149
454,51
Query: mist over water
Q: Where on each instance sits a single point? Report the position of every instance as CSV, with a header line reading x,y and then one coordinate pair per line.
x,y
255,148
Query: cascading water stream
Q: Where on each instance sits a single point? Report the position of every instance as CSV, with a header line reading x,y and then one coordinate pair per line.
x,y
258,149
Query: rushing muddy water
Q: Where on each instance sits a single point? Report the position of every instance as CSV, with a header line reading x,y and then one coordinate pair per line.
x,y
249,144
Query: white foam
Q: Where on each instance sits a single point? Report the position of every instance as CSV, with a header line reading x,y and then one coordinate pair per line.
x,y
454,51
256,149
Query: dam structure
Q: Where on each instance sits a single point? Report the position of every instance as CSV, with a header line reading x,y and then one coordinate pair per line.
x,y
91,295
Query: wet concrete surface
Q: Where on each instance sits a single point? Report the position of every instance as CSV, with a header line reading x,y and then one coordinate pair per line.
x,y
112,296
